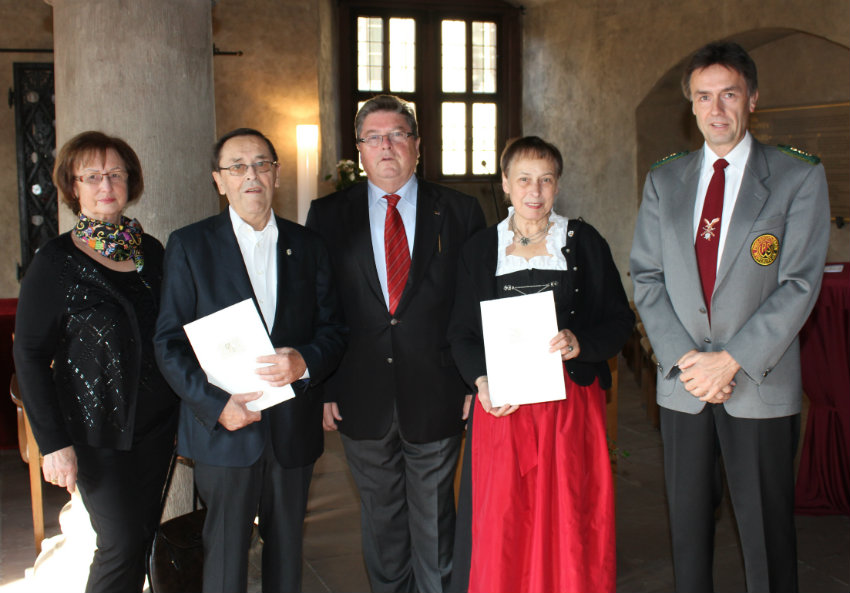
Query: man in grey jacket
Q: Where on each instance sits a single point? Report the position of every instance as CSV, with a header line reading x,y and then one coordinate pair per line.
x,y
727,262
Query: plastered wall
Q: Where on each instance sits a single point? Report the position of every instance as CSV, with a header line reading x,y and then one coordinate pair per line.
x,y
588,65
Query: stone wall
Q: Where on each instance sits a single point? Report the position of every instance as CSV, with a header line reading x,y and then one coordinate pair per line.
x,y
588,65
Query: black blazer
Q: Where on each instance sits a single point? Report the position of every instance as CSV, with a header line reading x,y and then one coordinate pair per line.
x,y
589,301
71,316
204,273
401,361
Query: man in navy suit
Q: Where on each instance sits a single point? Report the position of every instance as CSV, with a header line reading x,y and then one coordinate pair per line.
x,y
397,397
250,463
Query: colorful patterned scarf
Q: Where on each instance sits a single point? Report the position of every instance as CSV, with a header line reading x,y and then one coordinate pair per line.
x,y
118,243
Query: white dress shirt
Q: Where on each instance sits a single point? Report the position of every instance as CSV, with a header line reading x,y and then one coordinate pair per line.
x,y
259,252
377,217
734,174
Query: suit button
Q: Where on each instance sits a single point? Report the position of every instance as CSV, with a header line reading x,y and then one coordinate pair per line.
x,y
575,268
393,321
389,360
702,309
707,340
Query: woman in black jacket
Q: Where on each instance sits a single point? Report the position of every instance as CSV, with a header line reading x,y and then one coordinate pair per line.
x,y
103,416
536,511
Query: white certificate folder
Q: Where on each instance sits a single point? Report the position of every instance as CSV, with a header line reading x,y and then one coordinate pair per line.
x,y
520,368
227,344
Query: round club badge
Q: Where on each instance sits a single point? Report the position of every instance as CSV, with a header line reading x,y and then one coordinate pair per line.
x,y
765,249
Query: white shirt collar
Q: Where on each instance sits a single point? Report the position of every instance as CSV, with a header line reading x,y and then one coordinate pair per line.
x,y
555,240
737,157
241,227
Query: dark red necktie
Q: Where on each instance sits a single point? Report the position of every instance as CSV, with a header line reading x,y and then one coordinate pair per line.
x,y
397,252
708,233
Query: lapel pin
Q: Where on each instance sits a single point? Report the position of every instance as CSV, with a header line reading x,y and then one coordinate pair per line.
x,y
288,252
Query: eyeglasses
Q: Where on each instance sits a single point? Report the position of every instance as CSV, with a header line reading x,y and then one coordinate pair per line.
x,y
239,169
375,140
95,177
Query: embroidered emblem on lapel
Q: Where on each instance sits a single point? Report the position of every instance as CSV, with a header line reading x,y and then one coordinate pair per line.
x,y
669,159
799,154
709,229
765,249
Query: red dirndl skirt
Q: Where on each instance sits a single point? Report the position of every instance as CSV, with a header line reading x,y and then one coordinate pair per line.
x,y
543,498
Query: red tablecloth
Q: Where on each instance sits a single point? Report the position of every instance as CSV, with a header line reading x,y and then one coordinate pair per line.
x,y
823,483
8,422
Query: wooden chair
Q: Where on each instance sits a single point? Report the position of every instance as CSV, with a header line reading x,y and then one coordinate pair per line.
x,y
639,361
652,410
631,349
31,455
612,398
649,365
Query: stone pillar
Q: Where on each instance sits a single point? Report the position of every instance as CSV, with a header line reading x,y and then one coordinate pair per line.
x,y
142,71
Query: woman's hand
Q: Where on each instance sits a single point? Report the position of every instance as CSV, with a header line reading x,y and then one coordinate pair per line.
x,y
467,403
484,398
567,343
60,468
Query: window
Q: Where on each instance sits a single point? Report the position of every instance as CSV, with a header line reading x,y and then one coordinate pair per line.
x,y
459,66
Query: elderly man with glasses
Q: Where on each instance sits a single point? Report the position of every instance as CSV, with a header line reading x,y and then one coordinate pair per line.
x,y
397,397
251,463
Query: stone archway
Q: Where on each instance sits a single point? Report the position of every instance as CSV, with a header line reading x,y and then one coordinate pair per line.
x,y
796,69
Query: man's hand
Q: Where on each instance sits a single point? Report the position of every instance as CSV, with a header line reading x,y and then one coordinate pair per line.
x,y
235,415
330,416
708,376
285,367
484,398
60,468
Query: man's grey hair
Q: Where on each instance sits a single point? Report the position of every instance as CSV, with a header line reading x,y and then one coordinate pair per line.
x,y
389,103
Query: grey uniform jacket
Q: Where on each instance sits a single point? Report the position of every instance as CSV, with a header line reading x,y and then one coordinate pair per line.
x,y
760,300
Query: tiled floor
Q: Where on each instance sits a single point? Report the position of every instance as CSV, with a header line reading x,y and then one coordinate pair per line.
x,y
332,560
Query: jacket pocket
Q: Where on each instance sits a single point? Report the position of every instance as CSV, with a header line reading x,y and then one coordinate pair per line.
x,y
664,385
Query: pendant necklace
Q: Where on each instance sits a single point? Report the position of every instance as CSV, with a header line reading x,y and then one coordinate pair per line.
x,y
533,238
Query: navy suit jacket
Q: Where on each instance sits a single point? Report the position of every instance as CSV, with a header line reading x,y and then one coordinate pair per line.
x,y
204,273
400,362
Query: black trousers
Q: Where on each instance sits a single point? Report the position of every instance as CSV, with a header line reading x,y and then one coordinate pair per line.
x,y
233,497
407,510
758,458
122,493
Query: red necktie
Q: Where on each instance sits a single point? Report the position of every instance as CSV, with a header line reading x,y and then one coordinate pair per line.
x,y
397,252
708,234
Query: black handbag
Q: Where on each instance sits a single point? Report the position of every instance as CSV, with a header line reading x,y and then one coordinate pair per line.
x,y
176,560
